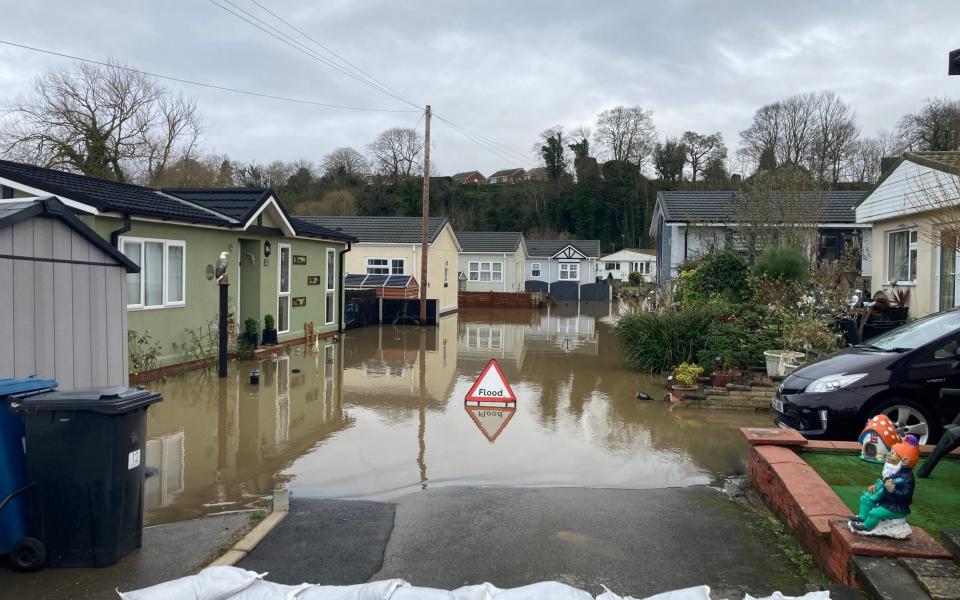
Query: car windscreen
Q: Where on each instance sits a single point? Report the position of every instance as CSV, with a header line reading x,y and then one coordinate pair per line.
x,y
918,333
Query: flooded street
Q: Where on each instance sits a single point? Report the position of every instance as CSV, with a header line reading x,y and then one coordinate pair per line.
x,y
381,413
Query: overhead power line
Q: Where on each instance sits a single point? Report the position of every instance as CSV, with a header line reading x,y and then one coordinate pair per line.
x,y
202,84
275,33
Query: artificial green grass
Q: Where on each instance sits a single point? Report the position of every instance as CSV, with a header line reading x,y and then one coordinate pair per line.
x,y
936,501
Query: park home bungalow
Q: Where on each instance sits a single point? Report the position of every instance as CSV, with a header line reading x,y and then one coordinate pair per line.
x,y
620,264
391,246
277,265
492,261
565,269
914,210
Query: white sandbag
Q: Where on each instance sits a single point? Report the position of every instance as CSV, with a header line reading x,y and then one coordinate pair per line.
x,y
695,593
825,595
213,583
376,590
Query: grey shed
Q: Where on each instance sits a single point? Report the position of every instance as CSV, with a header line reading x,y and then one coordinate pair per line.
x,y
64,297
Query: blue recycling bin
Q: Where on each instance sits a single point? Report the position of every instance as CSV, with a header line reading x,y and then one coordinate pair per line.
x,y
13,469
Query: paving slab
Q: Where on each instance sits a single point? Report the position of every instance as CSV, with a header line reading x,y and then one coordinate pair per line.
x,y
168,552
951,541
885,578
330,542
772,436
939,577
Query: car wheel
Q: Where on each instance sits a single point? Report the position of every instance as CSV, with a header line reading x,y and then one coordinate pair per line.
x,y
909,416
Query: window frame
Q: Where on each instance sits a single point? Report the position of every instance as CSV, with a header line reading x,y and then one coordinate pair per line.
x,y
165,283
330,296
389,267
476,267
536,269
280,293
912,245
571,268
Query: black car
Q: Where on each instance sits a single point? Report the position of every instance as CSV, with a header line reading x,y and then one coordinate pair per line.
x,y
899,373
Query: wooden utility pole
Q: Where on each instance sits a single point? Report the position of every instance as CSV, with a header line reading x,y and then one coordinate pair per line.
x,y
425,238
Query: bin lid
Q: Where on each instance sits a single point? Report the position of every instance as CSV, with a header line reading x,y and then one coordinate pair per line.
x,y
107,400
24,385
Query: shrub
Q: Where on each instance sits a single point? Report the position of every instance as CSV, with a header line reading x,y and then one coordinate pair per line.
x,y
635,278
655,342
722,273
250,326
268,322
783,262
143,353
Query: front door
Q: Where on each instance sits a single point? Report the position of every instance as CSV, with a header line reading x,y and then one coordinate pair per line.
x,y
249,294
949,279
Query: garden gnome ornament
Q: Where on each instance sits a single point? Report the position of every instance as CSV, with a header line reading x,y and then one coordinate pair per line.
x,y
876,439
885,505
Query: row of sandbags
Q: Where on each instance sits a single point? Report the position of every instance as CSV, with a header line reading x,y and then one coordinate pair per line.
x,y
232,583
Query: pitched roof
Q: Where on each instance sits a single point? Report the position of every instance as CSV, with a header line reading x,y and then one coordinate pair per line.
x,y
506,172
236,203
945,161
489,241
465,174
547,248
380,230
14,212
305,228
718,206
109,196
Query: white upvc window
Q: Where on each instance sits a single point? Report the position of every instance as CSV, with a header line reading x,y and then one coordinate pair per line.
x,y
283,289
386,266
485,271
446,272
161,281
612,266
569,271
535,269
330,306
902,256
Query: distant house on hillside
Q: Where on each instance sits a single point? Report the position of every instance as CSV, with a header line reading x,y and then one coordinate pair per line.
x,y
475,177
507,176
536,174
913,210
689,223
620,264
492,261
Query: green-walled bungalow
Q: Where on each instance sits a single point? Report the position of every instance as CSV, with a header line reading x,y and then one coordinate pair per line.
x,y
277,264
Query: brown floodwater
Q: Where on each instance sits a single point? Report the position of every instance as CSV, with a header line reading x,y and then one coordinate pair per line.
x,y
380,412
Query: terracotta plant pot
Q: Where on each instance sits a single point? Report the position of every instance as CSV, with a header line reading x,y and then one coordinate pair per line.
x,y
722,378
684,390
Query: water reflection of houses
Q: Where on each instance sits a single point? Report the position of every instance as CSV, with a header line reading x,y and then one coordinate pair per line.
x,y
216,443
566,328
391,367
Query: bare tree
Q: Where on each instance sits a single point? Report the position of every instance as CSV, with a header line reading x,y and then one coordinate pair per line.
x,y
779,208
344,164
626,134
935,127
701,148
397,153
834,138
102,121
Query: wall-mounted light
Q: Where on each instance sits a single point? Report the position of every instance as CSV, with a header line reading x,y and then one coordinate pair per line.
x,y
266,248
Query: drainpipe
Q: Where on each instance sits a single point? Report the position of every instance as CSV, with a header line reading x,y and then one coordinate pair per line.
x,y
115,234
343,291
686,234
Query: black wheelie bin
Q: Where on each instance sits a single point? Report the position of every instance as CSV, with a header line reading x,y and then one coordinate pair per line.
x,y
85,459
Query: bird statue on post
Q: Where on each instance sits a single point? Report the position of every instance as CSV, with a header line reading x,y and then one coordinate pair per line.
x,y
220,271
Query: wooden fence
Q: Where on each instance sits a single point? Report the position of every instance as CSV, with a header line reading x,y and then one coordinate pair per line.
x,y
499,300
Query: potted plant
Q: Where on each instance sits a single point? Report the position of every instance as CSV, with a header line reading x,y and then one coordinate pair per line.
x,y
269,331
249,335
685,376
724,374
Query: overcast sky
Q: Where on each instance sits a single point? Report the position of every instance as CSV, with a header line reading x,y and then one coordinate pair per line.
x,y
506,70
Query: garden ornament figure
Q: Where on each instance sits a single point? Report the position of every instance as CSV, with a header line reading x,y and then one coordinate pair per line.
x,y
885,505
221,268
876,439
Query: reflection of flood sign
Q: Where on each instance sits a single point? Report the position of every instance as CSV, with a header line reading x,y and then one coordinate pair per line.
x,y
490,420
491,386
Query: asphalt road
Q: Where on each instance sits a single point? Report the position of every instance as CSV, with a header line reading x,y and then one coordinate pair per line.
x,y
635,542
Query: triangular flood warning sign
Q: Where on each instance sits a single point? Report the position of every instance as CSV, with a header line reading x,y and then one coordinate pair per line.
x,y
491,386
